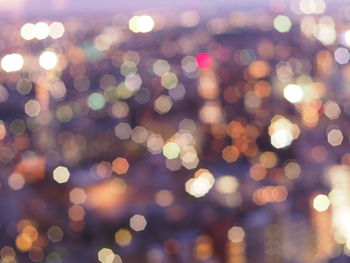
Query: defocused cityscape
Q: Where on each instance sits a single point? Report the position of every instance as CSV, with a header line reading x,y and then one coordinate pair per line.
x,y
186,136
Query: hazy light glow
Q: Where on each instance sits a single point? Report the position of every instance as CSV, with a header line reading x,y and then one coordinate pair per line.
x,y
27,31
106,255
16,181
61,174
341,55
171,150
41,30
32,108
321,203
332,110
282,132
281,139
282,23
347,37
226,184
293,93
138,222
56,30
335,137
123,237
12,62
96,101
141,24
312,6
325,33
200,185
48,60
236,234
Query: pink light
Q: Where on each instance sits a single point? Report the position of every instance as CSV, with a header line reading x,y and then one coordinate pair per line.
x,y
204,60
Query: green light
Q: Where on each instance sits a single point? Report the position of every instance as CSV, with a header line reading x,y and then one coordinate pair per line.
x,y
96,101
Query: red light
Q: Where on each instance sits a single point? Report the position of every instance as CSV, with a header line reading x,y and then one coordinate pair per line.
x,y
204,60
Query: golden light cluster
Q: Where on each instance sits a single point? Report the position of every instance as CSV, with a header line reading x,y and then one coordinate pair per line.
x,y
42,30
12,62
282,131
141,24
200,185
270,194
106,255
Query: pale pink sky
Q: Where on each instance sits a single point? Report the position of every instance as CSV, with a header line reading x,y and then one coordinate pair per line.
x,y
59,7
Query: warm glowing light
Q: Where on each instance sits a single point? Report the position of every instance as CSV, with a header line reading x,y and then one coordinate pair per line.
x,y
321,203
2,130
282,131
41,30
268,159
138,222
120,165
123,237
48,60
200,185
281,138
293,93
312,6
169,80
122,130
32,108
107,195
155,143
347,37
103,42
282,23
226,184
27,31
164,198
325,33
76,213
61,174
106,255
77,196
12,62
335,137
236,234
163,104
56,30
230,154
203,249
332,110
160,67
16,181
270,194
141,24
292,170
259,69
23,243
171,150
211,112
189,18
